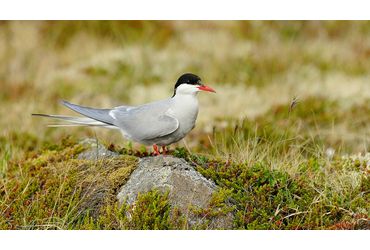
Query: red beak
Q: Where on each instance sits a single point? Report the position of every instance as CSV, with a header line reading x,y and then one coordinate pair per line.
x,y
206,88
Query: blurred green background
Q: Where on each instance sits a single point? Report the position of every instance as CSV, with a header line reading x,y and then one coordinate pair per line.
x,y
257,68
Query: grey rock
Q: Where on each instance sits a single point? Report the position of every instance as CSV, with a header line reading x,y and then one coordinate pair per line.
x,y
95,150
186,186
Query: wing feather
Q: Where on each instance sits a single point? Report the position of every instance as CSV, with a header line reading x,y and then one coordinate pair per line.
x,y
101,115
146,122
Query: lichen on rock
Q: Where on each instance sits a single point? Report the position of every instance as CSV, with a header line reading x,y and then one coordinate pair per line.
x,y
188,190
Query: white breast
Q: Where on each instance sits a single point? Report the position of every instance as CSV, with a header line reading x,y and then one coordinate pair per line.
x,y
185,110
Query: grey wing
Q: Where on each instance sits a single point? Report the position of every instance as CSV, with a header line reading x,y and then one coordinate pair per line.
x,y
146,122
101,115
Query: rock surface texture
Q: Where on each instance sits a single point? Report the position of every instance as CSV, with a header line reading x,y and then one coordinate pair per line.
x,y
95,150
186,186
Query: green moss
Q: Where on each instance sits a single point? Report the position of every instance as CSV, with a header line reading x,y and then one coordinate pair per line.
x,y
53,189
181,153
150,211
263,198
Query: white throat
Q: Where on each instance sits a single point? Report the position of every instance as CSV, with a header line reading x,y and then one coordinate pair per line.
x,y
187,89
186,99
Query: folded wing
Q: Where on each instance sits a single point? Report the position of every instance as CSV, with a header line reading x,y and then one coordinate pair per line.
x,y
146,122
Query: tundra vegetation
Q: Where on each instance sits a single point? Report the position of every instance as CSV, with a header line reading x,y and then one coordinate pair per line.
x,y
286,137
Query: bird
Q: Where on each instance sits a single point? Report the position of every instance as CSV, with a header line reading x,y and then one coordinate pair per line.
x,y
158,124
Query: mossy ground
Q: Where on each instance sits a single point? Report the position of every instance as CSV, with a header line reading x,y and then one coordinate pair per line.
x,y
51,189
279,164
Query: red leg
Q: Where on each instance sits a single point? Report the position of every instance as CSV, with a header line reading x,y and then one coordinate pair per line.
x,y
164,151
156,151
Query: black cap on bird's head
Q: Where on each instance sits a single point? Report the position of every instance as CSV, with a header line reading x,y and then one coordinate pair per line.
x,y
191,79
188,78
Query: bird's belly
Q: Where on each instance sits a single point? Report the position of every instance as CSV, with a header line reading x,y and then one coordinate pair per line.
x,y
186,124
169,139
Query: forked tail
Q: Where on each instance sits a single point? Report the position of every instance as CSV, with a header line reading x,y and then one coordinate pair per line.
x,y
93,117
73,121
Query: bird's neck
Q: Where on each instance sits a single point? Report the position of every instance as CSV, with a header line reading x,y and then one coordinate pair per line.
x,y
186,97
186,101
185,109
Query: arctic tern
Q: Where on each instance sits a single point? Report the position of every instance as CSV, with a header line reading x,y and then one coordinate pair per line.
x,y
158,123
